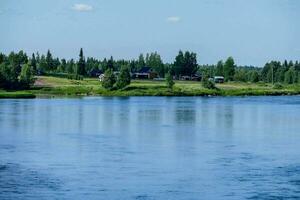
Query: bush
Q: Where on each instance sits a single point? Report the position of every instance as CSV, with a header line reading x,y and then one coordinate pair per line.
x,y
109,79
169,81
278,86
123,78
75,77
209,84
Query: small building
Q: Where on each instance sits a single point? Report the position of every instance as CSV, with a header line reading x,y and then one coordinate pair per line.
x,y
101,77
145,73
185,78
95,72
219,79
194,77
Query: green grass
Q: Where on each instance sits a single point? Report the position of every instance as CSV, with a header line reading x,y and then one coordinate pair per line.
x,y
16,95
55,86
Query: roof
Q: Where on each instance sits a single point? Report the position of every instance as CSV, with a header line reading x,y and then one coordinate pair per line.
x,y
145,70
219,77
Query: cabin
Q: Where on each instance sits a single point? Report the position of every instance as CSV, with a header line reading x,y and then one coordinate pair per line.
x,y
219,79
95,73
145,73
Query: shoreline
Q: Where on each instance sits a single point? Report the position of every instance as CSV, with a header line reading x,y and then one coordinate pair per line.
x,y
212,93
61,87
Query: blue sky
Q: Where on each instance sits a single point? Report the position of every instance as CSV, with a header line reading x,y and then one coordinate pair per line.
x,y
252,31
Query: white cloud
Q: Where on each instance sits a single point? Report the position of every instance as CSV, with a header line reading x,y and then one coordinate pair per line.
x,y
173,19
82,7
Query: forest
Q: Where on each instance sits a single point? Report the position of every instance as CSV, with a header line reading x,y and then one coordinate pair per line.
x,y
18,70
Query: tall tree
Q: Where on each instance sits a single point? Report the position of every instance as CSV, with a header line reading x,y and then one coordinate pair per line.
x,y
33,64
220,68
49,61
70,66
110,63
155,62
81,64
141,62
26,77
185,64
178,64
229,69
190,63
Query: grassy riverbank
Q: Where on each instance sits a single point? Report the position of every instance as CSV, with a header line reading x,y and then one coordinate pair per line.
x,y
54,86
16,95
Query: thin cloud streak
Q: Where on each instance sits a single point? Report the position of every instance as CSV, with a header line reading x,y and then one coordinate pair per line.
x,y
173,19
82,7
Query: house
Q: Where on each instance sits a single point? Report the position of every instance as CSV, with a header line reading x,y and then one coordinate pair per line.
x,y
145,73
219,79
95,72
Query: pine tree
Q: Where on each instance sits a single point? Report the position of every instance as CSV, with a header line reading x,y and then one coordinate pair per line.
x,y
123,78
49,61
81,64
33,64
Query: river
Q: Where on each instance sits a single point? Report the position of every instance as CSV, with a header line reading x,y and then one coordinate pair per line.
x,y
150,148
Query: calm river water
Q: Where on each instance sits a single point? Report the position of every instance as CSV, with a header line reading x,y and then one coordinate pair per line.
x,y
150,148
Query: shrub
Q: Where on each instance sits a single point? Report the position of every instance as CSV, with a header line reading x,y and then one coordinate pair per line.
x,y
169,81
209,84
109,79
123,78
278,86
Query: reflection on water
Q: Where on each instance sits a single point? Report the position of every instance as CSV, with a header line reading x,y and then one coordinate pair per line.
x,y
150,148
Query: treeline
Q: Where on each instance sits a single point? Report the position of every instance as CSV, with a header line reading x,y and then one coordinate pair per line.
x,y
18,69
272,72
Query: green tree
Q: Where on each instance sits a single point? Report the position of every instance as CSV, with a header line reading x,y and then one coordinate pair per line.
x,y
63,65
70,66
141,62
8,77
123,78
185,64
229,69
49,61
81,64
109,79
190,63
26,77
290,76
169,81
254,77
178,64
155,62
241,75
33,63
42,65
110,64
220,68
